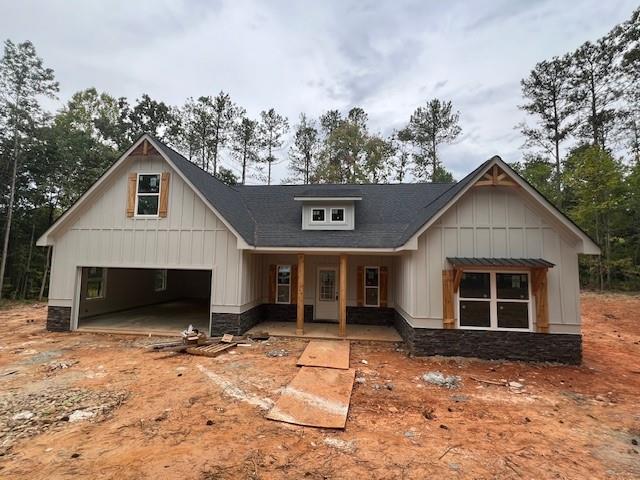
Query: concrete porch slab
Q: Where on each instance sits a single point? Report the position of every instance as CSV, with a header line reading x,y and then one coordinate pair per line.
x,y
329,330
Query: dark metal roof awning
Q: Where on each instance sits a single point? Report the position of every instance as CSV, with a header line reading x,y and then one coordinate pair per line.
x,y
500,262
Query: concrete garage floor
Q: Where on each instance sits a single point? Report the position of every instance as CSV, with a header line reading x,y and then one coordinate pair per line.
x,y
329,330
168,318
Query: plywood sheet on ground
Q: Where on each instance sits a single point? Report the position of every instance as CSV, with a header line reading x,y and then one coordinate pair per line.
x,y
326,353
316,397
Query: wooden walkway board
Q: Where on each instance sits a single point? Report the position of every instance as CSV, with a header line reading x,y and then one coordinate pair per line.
x,y
316,397
210,350
326,353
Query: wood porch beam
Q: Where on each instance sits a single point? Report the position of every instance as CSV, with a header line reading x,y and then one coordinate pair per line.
x,y
342,296
300,296
539,286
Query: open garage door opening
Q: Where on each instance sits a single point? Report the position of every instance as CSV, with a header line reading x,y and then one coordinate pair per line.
x,y
146,301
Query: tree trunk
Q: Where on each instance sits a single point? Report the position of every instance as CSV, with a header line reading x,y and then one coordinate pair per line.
x,y
594,111
12,195
215,150
244,162
47,262
28,268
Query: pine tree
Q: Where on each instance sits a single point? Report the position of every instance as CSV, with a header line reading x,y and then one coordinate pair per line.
x,y
430,126
303,153
245,145
272,128
547,91
23,80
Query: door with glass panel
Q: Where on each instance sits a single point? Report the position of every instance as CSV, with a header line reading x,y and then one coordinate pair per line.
x,y
327,294
495,301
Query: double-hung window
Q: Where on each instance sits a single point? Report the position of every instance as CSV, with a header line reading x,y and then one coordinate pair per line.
x,y
495,301
148,195
371,286
96,283
283,284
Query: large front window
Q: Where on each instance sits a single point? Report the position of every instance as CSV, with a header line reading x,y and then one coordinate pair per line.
x,y
283,284
494,300
148,194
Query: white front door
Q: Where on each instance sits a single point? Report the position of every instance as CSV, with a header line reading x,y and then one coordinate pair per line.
x,y
327,294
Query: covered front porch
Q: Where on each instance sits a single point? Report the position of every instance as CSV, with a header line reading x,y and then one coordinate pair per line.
x,y
374,333
320,295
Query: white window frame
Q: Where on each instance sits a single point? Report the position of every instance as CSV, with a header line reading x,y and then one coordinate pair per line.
x,y
284,284
364,286
324,215
493,308
104,285
344,215
157,214
163,272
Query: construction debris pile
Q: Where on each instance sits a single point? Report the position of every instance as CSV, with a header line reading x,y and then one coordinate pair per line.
x,y
195,342
25,415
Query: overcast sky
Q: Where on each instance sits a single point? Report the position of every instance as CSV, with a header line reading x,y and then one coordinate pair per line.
x,y
310,56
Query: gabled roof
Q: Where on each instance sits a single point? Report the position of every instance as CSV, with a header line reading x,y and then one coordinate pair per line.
x,y
389,217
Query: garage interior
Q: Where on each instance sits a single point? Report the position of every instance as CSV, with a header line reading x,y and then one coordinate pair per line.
x,y
148,301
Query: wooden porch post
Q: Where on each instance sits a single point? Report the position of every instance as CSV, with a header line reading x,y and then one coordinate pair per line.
x,y
342,296
300,295
539,284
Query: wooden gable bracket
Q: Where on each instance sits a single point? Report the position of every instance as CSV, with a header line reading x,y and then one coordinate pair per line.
x,y
495,177
539,286
145,149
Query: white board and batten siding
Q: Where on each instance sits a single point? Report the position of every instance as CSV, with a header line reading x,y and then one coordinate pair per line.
x,y
489,222
190,237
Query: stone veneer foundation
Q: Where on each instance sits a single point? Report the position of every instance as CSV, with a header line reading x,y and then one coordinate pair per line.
x,y
58,319
491,344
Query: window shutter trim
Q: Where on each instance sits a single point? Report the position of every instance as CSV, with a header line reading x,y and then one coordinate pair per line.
x,y
164,195
360,286
272,283
384,285
131,194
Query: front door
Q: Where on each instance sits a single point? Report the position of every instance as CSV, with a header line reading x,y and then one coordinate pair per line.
x,y
327,294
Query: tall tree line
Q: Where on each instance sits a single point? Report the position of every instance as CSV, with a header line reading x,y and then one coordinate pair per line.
x,y
582,146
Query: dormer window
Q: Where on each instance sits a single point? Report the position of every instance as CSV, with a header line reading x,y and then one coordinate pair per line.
x,y
326,207
337,215
317,215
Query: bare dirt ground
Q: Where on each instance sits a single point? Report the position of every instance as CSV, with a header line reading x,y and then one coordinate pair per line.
x,y
151,415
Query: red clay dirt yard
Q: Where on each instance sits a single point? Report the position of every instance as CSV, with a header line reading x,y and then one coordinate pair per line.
x,y
99,406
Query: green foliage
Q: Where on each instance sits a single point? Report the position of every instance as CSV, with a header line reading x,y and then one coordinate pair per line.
x,y
303,154
430,126
245,144
272,129
225,175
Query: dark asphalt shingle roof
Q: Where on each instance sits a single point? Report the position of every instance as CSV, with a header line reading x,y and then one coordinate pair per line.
x,y
500,262
267,216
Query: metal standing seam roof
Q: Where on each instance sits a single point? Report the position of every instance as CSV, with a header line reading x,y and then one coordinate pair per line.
x,y
500,262
267,215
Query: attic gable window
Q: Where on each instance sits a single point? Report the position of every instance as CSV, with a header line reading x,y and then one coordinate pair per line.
x,y
317,215
148,194
337,215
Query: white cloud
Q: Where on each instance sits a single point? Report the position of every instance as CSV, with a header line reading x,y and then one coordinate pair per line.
x,y
295,56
